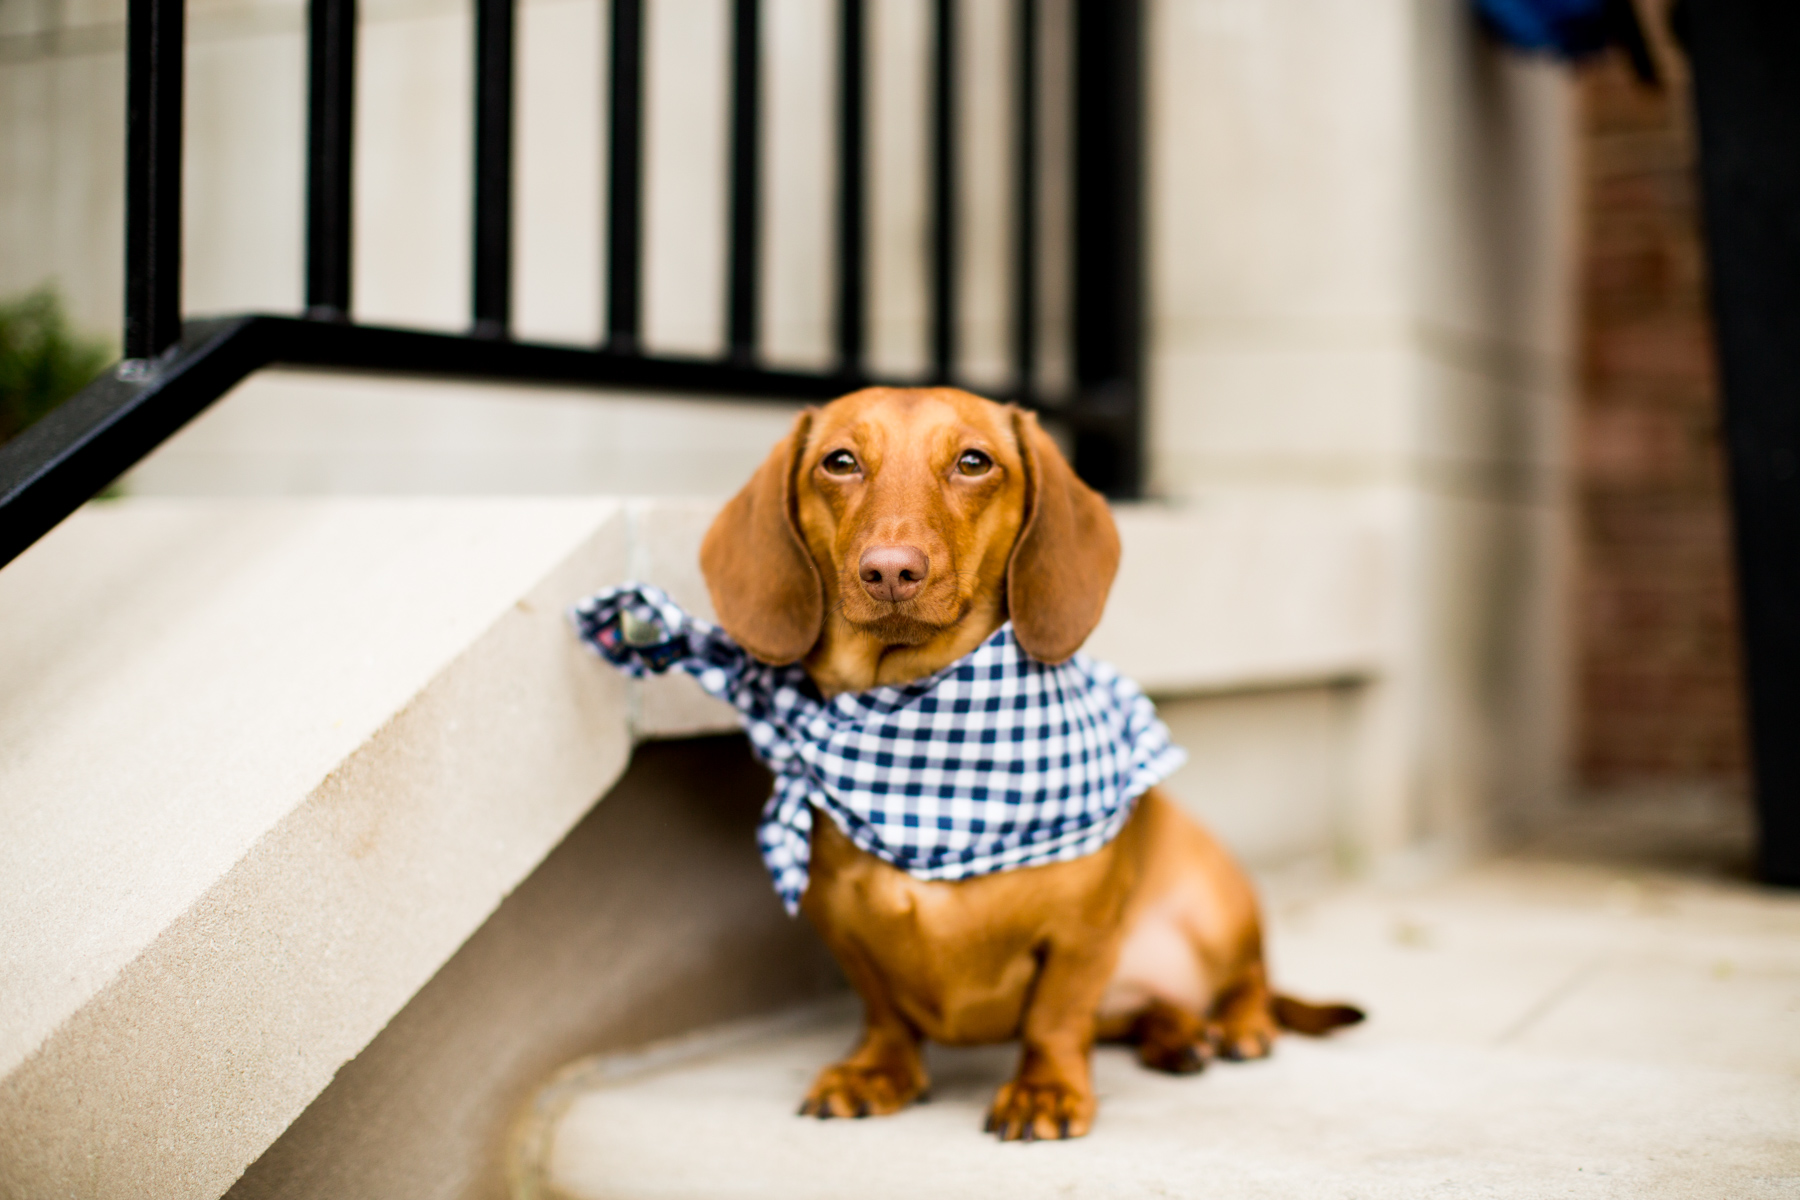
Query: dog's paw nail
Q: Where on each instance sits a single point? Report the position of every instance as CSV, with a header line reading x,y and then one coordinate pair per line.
x,y
1064,1127
862,1109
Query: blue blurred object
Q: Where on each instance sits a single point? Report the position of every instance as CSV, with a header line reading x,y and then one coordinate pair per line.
x,y
1568,28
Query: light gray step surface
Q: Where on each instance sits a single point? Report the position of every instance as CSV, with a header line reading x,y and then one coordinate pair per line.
x,y
1537,1030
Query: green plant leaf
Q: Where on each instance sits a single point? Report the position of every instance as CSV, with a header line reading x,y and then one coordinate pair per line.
x,y
43,359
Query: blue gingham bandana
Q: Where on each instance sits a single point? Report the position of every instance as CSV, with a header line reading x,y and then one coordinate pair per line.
x,y
996,761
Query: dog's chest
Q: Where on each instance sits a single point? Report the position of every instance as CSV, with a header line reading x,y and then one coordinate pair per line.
x,y
958,957
958,967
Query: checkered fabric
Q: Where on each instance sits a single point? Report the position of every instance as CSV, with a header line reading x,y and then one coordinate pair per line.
x,y
996,761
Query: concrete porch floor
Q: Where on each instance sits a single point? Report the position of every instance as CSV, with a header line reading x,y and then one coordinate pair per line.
x,y
1605,1014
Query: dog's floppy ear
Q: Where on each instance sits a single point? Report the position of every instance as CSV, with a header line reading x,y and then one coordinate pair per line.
x,y
765,587
1068,551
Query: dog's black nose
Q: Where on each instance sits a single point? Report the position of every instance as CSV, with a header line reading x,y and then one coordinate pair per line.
x,y
893,573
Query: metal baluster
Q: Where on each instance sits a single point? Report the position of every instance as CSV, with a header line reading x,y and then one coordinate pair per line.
x,y
330,121
746,181
1025,218
1108,229
624,251
943,196
153,178
491,291
851,168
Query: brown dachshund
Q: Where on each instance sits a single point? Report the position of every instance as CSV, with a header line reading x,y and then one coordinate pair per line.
x,y
888,535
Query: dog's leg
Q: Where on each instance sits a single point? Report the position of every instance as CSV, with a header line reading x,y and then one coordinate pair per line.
x,y
885,1072
1052,1095
1246,1018
1172,1039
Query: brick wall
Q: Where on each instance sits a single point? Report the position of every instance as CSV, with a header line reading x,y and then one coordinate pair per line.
x,y
1659,696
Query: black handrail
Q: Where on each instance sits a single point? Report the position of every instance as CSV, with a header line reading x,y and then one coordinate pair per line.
x,y
173,372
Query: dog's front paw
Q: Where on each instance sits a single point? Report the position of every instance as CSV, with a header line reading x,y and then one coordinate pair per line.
x,y
1031,1112
842,1090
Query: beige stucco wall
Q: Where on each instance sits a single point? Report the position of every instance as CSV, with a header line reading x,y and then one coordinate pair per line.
x,y
1361,226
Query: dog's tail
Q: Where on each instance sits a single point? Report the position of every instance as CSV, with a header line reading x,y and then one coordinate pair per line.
x,y
1314,1020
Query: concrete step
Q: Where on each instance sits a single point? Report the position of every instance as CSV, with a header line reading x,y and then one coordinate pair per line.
x,y
1538,1029
263,767
266,765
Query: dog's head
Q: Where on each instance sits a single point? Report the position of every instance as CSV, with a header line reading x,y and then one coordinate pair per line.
x,y
901,517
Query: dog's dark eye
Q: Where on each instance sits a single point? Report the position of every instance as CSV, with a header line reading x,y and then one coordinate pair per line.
x,y
973,462
840,462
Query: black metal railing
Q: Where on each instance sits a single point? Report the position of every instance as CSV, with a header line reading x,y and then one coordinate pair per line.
x,y
172,370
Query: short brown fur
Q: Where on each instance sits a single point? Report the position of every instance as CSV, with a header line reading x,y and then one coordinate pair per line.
x,y
1155,939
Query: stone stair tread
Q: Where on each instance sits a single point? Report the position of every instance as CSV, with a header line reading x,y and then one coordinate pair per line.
x,y
1524,1092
